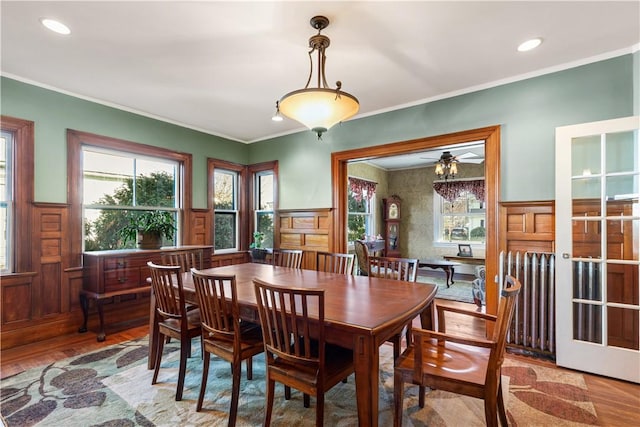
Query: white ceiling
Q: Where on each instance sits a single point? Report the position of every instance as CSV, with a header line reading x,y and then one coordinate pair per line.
x,y
219,67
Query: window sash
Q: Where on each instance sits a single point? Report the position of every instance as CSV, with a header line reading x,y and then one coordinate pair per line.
x,y
6,202
466,219
226,219
128,166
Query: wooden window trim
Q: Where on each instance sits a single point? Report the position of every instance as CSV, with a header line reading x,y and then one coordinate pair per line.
x,y
77,139
243,224
253,170
23,161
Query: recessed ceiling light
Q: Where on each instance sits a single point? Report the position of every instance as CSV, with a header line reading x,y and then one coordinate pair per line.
x,y
530,44
55,26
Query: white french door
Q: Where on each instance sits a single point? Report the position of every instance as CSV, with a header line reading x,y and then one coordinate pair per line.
x,y
598,246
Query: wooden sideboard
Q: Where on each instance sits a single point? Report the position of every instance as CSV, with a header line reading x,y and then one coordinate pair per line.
x,y
109,274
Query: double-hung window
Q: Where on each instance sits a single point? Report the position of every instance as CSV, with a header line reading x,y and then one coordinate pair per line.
x,y
459,211
264,200
226,185
113,181
361,198
118,186
6,200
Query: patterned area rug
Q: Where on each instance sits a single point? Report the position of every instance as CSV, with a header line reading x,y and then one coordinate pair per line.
x,y
459,291
112,387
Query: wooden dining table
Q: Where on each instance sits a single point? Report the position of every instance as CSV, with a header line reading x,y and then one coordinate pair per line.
x,y
361,313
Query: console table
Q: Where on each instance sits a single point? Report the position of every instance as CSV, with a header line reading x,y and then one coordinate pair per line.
x,y
465,259
108,274
447,266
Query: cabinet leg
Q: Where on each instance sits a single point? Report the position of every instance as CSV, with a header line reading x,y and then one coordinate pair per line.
x,y
101,334
84,304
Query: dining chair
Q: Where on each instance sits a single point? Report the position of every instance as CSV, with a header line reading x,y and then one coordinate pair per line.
x,y
462,365
394,268
335,262
224,334
291,258
362,255
186,259
172,316
405,269
296,353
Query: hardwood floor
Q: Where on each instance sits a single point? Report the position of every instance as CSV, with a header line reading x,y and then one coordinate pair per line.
x,y
617,403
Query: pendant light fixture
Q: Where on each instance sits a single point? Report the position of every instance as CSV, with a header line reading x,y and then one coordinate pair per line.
x,y
318,108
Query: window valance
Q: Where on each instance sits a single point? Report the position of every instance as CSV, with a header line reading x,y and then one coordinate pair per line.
x,y
451,190
362,189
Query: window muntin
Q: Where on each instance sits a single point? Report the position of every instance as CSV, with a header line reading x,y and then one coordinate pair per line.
x,y
225,205
360,220
264,200
119,184
6,201
460,221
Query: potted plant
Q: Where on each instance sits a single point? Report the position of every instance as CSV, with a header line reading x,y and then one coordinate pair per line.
x,y
149,228
257,251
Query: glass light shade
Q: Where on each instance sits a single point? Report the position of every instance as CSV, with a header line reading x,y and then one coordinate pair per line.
x,y
318,109
439,170
453,168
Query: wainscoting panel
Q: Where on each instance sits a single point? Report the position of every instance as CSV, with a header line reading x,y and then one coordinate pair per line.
x,y
306,229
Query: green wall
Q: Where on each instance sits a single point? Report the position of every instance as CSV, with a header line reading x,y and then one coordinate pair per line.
x,y
528,111
53,113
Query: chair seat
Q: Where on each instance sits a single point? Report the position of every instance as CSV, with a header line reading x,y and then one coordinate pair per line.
x,y
458,363
173,325
251,341
338,365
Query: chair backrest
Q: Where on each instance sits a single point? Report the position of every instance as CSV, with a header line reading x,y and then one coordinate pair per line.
x,y
286,325
166,281
218,302
186,259
506,306
362,253
291,258
394,268
335,262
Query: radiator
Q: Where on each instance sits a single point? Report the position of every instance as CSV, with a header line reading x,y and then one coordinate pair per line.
x,y
532,330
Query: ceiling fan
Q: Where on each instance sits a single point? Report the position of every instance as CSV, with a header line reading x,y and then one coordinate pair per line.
x,y
447,157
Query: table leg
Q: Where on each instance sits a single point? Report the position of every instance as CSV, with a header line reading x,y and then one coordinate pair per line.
x,y
154,335
101,334
366,360
453,271
84,304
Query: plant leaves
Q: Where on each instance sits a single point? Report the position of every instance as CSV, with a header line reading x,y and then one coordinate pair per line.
x,y
13,405
32,414
94,357
564,391
520,375
556,407
86,400
132,356
77,381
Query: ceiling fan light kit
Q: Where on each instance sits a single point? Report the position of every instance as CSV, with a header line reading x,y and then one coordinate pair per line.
x,y
447,166
318,108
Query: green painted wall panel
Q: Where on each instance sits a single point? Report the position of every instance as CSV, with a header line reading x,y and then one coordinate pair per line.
x,y
528,111
53,113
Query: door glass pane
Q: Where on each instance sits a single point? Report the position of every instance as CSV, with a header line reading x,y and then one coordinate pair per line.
x,y
621,152
622,283
586,239
586,322
585,156
587,283
622,187
622,239
585,193
622,328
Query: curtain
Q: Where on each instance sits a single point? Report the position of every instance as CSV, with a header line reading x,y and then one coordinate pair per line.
x,y
451,190
362,189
